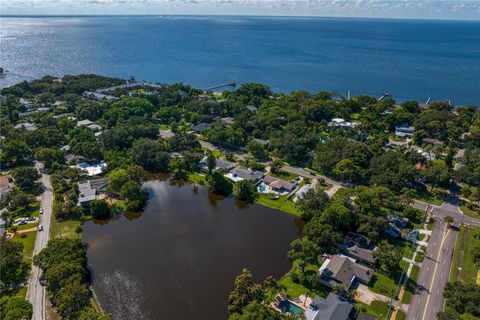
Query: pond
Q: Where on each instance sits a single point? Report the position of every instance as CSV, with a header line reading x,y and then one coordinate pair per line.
x,y
178,259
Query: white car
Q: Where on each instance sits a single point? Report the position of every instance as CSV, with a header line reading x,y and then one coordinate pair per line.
x,y
40,227
41,210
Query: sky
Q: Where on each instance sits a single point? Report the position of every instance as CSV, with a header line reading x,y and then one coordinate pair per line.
x,y
405,9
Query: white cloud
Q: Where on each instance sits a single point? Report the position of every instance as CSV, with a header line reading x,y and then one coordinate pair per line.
x,y
441,9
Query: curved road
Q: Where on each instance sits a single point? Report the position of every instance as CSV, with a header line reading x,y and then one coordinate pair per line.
x,y
36,292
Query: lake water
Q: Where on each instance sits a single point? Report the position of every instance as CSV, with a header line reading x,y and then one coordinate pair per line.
x,y
410,59
179,259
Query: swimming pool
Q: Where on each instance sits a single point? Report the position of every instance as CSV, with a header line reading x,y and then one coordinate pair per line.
x,y
261,188
288,306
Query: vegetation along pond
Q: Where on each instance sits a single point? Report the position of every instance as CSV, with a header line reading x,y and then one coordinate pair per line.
x,y
179,258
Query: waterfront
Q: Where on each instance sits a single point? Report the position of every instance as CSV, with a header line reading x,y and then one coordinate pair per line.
x,y
179,258
412,59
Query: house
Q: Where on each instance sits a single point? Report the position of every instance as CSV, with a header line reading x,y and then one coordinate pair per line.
x,y
74,159
6,185
84,123
433,142
201,127
393,232
330,308
219,164
261,141
166,134
300,192
339,122
340,270
360,254
94,126
88,190
242,173
97,96
428,155
227,120
92,169
276,185
27,126
398,221
404,131
252,109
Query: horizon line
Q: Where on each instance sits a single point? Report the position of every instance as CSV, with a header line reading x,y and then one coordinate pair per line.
x,y
226,15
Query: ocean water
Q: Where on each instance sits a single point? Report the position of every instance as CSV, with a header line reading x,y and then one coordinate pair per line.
x,y
411,59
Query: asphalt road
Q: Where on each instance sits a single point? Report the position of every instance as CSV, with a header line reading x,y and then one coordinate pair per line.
x,y
435,270
36,292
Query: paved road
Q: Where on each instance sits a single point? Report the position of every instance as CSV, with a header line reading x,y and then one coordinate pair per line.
x,y
435,270
36,293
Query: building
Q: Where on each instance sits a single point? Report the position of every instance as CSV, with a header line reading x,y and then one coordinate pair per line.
x,y
404,131
433,142
201,127
227,120
242,173
359,254
167,134
97,96
300,192
219,164
94,126
330,308
84,123
342,123
276,185
92,169
340,270
6,185
89,189
261,141
398,221
27,126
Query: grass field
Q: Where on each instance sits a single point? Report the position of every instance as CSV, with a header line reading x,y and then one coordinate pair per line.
x,y
282,204
384,285
474,213
411,283
469,269
28,243
456,255
65,228
434,197
30,211
284,175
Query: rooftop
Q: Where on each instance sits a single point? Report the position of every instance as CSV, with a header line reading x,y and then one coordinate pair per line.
x,y
242,173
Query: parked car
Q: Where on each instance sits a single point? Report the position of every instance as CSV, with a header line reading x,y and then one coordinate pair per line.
x,y
40,227
23,221
41,210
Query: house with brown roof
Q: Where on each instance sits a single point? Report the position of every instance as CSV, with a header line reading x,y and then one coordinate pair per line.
x,y
340,270
276,185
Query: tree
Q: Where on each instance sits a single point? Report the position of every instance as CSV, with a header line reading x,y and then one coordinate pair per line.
x,y
244,190
257,149
448,219
462,298
78,230
346,170
16,152
388,256
303,249
219,183
276,165
258,311
26,178
244,292
49,156
211,162
15,308
436,173
312,202
99,209
150,155
10,261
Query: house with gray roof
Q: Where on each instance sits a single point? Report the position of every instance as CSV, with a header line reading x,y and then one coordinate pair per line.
x,y
219,164
340,270
261,141
27,126
330,308
242,173
88,190
201,127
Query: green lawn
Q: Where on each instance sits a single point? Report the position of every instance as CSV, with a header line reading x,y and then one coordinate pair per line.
x,y
384,285
284,175
471,212
24,226
30,211
469,269
411,283
28,242
282,203
65,228
377,309
434,197
420,256
456,255
293,290
198,178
